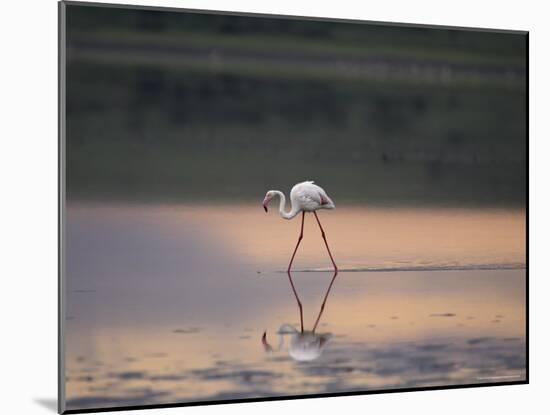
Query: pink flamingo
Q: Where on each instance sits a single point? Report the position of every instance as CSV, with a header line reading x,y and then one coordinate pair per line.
x,y
304,197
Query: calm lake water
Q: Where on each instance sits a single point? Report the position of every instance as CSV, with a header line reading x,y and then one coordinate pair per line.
x,y
169,303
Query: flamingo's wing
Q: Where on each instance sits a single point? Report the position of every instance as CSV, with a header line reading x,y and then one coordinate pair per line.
x,y
308,195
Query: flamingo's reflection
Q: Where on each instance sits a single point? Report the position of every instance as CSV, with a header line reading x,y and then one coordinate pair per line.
x,y
305,345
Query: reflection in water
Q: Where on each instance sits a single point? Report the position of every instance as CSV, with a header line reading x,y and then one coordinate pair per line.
x,y
304,345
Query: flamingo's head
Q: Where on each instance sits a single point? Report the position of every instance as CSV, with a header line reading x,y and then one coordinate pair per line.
x,y
268,196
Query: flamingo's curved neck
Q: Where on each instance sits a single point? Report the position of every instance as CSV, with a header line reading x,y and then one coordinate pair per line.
x,y
282,203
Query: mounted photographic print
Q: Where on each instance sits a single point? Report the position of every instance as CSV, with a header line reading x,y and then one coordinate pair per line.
x,y
259,207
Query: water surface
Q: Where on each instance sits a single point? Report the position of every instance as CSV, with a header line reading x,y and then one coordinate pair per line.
x,y
169,303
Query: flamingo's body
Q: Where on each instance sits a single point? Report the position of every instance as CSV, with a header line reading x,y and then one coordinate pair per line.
x,y
304,197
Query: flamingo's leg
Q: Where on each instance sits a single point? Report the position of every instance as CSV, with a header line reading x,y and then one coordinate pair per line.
x,y
326,244
298,243
325,300
290,277
298,301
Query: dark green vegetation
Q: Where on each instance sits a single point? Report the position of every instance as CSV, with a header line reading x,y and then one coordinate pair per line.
x,y
191,107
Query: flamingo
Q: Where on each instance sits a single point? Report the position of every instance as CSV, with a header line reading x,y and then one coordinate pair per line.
x,y
304,197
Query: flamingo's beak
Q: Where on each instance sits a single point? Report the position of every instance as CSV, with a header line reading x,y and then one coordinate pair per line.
x,y
265,202
267,346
